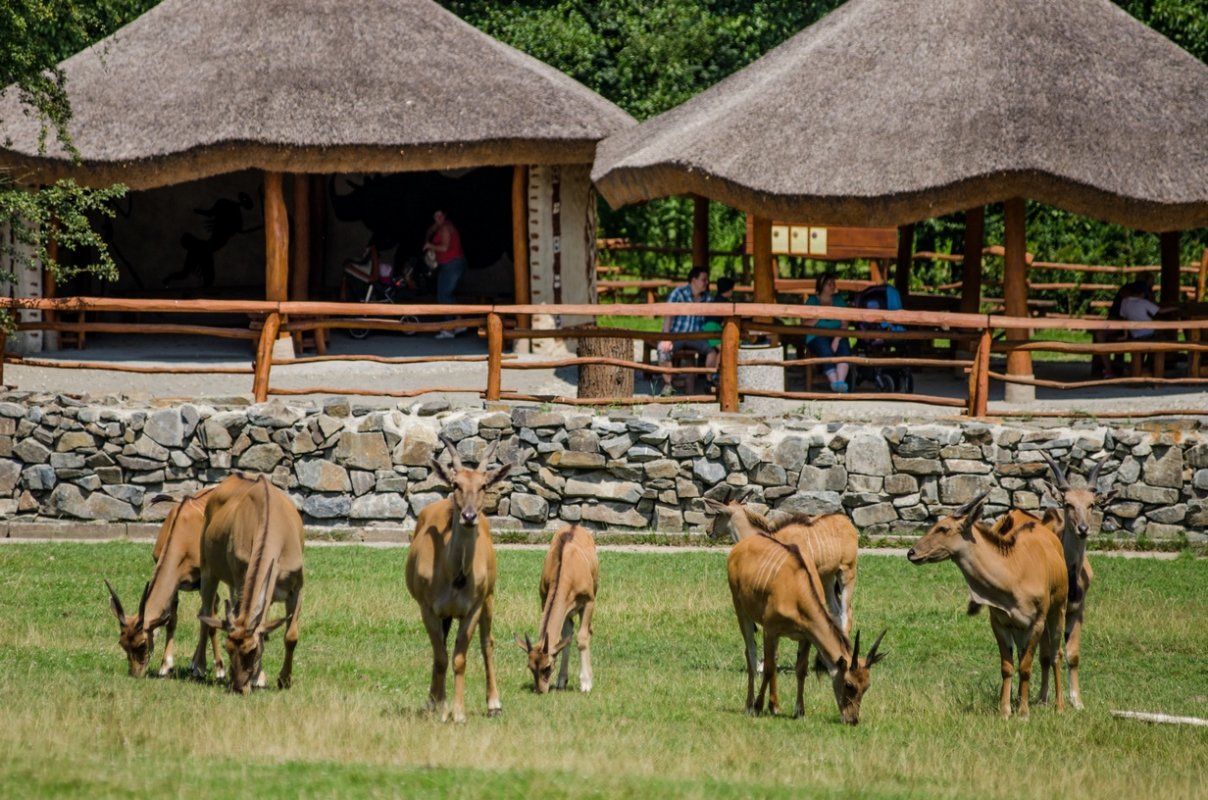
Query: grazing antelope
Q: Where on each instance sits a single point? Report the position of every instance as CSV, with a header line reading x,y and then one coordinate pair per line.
x,y
830,540
1074,522
177,555
252,541
1016,568
775,587
451,575
569,580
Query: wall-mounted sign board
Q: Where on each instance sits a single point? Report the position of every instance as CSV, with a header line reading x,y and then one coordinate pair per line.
x,y
828,243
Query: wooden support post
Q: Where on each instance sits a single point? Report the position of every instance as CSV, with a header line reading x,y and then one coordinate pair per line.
x,y
299,287
727,372
1015,293
971,268
264,356
700,231
494,355
276,239
1202,278
522,279
765,271
901,273
979,377
1169,246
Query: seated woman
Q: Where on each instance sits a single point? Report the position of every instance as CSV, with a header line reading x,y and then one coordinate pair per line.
x,y
823,346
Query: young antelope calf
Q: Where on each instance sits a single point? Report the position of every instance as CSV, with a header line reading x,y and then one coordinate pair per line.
x,y
774,586
1018,571
569,581
177,555
451,575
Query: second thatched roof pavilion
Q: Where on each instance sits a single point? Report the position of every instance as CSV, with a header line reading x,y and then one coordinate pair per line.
x,y
887,112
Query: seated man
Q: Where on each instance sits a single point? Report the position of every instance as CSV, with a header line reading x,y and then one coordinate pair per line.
x,y
1135,307
696,290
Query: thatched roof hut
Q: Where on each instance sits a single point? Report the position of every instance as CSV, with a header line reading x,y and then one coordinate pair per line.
x,y
193,89
890,111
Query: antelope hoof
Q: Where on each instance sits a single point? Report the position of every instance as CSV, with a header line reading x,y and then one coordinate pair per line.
x,y
492,713
284,681
585,687
198,674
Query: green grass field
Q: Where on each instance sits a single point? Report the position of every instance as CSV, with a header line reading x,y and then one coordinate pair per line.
x,y
666,716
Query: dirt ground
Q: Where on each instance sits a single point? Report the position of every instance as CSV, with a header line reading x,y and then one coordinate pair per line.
x,y
342,378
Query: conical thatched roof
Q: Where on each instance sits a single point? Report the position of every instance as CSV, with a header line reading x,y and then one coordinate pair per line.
x,y
891,111
200,87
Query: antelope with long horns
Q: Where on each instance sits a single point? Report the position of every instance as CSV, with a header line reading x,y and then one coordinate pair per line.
x,y
775,587
252,542
1016,568
1074,521
451,574
177,555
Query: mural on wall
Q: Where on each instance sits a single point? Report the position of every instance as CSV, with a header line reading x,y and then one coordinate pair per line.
x,y
223,221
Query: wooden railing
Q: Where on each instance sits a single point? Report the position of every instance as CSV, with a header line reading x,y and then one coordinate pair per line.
x,y
963,333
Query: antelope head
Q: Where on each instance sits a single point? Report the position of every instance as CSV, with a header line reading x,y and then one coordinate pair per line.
x,y
469,485
1078,505
948,535
541,659
136,638
245,638
850,680
725,516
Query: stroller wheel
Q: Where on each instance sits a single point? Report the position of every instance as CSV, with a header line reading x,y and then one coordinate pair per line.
x,y
407,319
358,333
885,382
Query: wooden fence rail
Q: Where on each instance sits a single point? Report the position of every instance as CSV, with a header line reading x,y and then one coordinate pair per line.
x,y
973,334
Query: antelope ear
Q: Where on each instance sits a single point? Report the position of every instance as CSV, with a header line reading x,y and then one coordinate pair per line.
x,y
714,505
523,644
558,649
215,623
1051,490
1105,498
841,665
441,471
272,626
115,604
497,475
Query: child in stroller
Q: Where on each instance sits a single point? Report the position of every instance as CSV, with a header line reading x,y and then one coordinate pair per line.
x,y
887,379
372,280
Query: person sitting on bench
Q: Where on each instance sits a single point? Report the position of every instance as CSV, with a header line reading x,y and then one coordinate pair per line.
x,y
696,290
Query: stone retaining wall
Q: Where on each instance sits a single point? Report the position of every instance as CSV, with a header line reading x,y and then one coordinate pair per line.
x,y
367,469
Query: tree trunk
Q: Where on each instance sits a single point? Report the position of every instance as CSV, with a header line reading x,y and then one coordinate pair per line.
x,y
605,380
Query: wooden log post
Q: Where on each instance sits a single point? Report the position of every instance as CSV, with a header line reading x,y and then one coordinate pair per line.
x,y
521,276
700,231
264,356
1015,296
276,240
299,286
979,377
605,380
971,268
765,271
901,272
494,356
1202,278
727,372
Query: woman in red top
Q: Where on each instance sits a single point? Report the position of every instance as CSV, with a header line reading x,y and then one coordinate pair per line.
x,y
443,239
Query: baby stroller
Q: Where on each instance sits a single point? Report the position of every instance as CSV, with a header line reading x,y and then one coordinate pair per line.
x,y
391,284
885,378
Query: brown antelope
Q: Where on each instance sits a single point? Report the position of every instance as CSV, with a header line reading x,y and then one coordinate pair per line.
x,y
177,555
775,587
1016,568
569,580
252,541
451,575
1074,522
830,540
